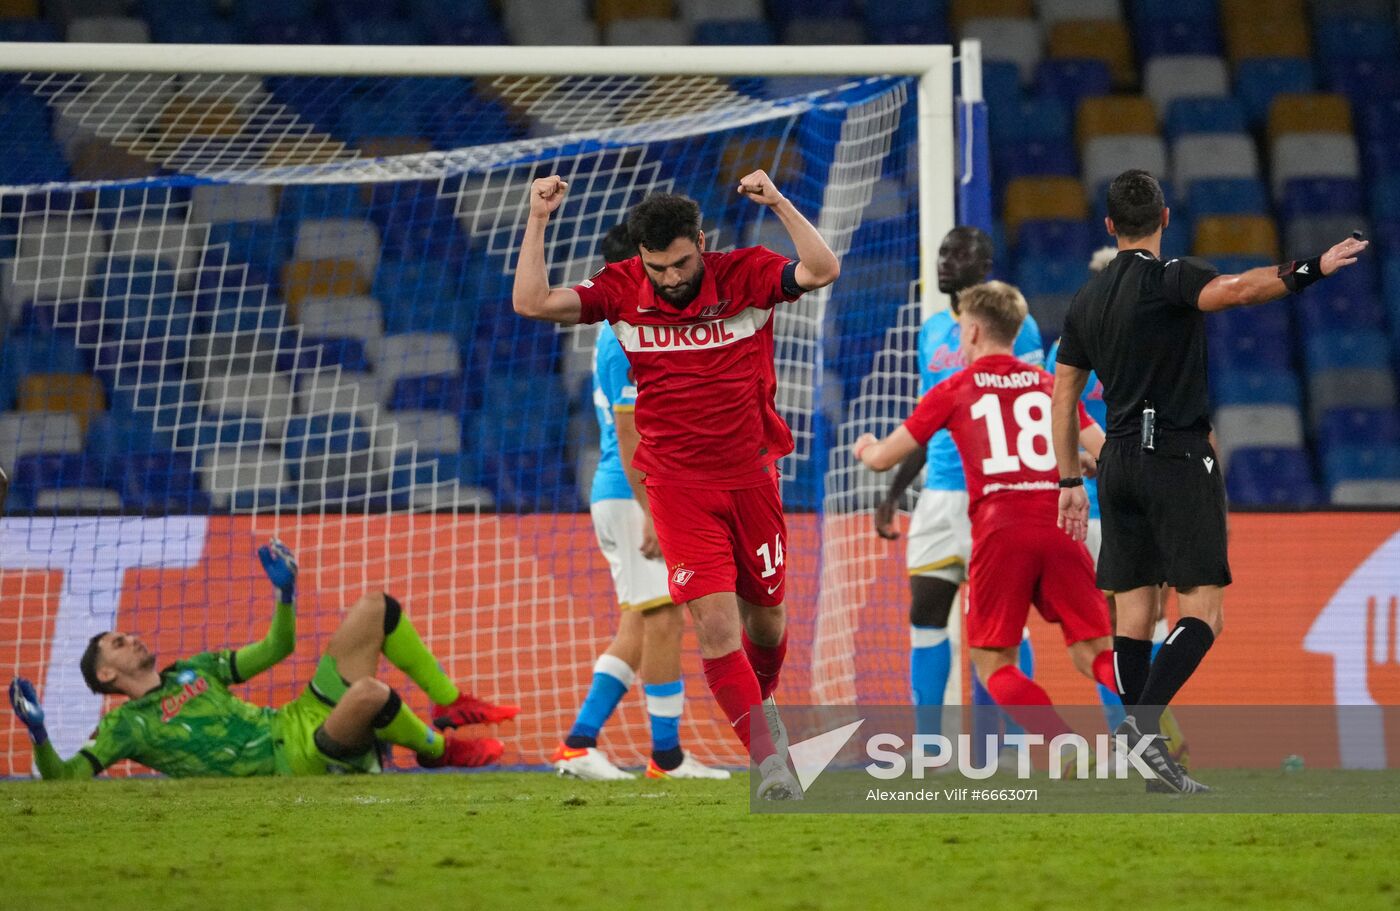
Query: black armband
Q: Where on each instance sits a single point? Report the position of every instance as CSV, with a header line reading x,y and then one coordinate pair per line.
x,y
1300,273
790,286
1066,483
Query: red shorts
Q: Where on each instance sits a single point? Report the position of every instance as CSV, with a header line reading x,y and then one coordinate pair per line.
x,y
1017,564
720,540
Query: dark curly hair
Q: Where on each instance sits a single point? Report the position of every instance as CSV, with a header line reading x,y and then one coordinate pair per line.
x,y
1135,203
658,220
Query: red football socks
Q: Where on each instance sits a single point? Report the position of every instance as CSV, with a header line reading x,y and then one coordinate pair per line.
x,y
1026,702
732,680
767,662
1103,669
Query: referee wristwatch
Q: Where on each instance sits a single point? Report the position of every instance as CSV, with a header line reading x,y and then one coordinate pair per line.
x,y
1066,483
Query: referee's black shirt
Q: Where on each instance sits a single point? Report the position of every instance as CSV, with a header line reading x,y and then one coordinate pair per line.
x,y
1136,324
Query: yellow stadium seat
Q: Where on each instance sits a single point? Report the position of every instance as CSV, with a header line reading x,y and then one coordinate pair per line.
x,y
1236,235
1268,38
78,393
1309,113
608,11
19,9
1115,115
303,278
964,10
391,146
1034,198
1097,39
98,159
1244,13
782,161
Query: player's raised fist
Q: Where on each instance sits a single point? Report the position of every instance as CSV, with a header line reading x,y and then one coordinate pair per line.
x,y
546,194
1343,254
759,187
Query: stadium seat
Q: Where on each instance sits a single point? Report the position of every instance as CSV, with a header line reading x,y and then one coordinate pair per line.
x,y
1200,156
1309,236
245,478
1258,82
1038,276
1297,155
1321,196
1372,493
1053,11
1314,112
1236,235
1227,196
1348,426
1049,311
382,32
331,457
330,389
359,317
1271,477
653,33
1256,387
1378,10
1032,119
1251,348
78,394
19,9
1165,79
1240,426
738,32
1096,40
177,244
609,11
1032,158
697,11
302,279
1265,38
1105,157
158,483
30,432
1178,34
1347,37
339,239
1363,461
432,432
1362,79
39,471
1204,115
1114,115
963,10
1322,309
1343,349
416,354
1071,81
1153,12
55,256
1070,239
1362,387
442,392
1017,41
1043,198
108,30
266,398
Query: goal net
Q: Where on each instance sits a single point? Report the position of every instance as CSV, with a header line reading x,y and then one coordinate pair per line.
x,y
243,305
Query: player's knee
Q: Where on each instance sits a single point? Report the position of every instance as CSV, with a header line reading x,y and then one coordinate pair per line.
x,y
369,692
371,606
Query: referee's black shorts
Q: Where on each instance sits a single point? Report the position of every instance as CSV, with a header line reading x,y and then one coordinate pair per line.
x,y
1163,514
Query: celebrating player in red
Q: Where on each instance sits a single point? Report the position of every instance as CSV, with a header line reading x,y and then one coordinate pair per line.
x,y
998,411
697,327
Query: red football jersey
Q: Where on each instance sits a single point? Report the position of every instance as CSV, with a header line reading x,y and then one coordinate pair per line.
x,y
705,380
998,411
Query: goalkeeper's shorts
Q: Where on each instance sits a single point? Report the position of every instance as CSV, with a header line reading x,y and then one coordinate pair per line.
x,y
295,724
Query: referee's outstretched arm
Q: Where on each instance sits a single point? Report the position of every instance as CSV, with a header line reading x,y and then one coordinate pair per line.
x,y
1267,283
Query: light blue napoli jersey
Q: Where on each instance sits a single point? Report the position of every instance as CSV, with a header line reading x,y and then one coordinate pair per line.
x,y
612,389
940,358
1094,404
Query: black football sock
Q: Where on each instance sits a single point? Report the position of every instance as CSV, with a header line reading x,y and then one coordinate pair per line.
x,y
1176,662
666,760
1132,660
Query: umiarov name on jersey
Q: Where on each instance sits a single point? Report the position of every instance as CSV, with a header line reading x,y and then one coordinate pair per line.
x,y
1025,379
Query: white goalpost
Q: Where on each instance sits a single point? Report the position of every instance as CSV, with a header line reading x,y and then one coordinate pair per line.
x,y
283,274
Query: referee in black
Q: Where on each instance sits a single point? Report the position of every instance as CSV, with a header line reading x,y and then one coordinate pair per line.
x,y
1140,324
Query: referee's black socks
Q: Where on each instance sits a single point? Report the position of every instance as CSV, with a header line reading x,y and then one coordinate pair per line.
x,y
1176,662
1132,659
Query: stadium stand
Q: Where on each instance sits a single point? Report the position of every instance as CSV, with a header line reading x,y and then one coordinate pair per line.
x,y
1276,125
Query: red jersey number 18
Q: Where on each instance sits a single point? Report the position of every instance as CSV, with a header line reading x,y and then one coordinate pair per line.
x,y
1031,411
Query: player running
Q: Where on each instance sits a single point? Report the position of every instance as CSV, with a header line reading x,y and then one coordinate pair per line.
x,y
649,626
183,721
998,412
697,327
940,538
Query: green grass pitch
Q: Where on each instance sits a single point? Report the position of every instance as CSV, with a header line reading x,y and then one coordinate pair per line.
x,y
528,840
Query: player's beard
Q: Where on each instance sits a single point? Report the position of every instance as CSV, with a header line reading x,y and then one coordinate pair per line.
x,y
684,294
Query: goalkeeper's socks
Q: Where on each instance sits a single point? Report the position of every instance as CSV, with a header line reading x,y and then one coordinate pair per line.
x,y
1176,662
612,678
664,704
1132,661
930,662
1026,701
766,661
396,723
407,652
732,680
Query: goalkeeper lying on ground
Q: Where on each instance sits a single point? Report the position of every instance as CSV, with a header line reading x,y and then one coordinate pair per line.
x,y
183,721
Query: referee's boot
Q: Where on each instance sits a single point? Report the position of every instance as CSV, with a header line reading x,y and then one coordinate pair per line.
x,y
1171,778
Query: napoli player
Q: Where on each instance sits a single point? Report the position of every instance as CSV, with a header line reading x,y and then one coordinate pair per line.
x,y
940,537
650,625
697,327
998,413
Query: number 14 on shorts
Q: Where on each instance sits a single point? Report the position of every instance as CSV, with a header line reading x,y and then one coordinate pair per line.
x,y
772,557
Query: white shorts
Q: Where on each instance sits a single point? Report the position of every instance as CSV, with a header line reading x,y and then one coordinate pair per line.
x,y
1094,539
640,583
940,536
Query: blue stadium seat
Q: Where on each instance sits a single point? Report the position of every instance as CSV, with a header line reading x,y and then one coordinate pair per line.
x,y
437,12
1231,351
1259,79
291,31
28,30
321,201
1312,196
29,352
1037,276
1321,309
1385,194
1340,38
262,244
1066,239
1047,120
254,12
1034,159
1347,349
444,392
133,277
382,31
1204,115
1380,117
1228,196
1256,387
1348,426
1149,13
52,471
155,10
119,431
316,352
1364,461
895,12
1001,83
1362,79
734,31
160,483
1381,156
933,31
1072,80
1178,36
783,11
1268,319
1271,477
